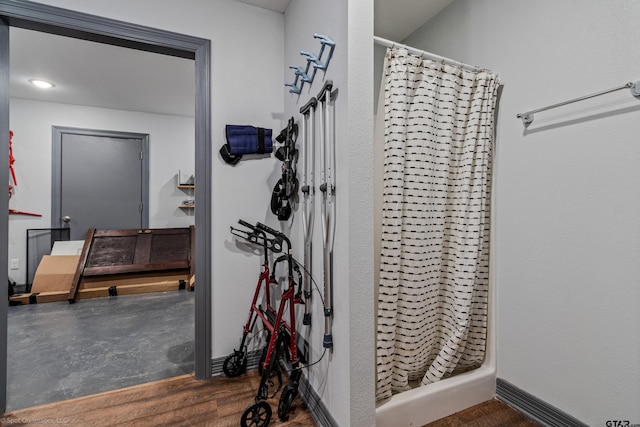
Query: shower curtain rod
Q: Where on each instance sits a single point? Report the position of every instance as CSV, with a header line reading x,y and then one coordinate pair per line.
x,y
527,117
428,55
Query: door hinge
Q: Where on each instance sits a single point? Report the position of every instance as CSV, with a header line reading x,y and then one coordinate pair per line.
x,y
141,155
141,207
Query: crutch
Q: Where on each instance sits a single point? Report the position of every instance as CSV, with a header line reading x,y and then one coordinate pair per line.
x,y
327,187
308,190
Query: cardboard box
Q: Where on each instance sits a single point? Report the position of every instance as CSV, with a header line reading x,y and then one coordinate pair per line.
x,y
39,297
54,296
163,286
67,247
55,273
106,281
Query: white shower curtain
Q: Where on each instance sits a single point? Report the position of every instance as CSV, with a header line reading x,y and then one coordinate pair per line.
x,y
434,263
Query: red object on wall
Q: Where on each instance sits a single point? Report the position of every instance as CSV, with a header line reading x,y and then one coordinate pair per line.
x,y
16,212
11,162
13,179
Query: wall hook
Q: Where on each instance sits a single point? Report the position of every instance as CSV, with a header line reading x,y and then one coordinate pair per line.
x,y
314,63
301,73
324,41
294,88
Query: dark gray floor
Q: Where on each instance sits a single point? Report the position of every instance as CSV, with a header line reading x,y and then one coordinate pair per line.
x,y
58,351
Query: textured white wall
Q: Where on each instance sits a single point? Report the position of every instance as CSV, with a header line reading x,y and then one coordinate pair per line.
x,y
359,141
302,20
344,379
567,202
171,147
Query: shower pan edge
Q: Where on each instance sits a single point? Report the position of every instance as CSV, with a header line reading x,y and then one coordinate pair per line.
x,y
422,405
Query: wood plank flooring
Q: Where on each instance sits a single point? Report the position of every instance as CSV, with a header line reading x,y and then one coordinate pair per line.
x,y
183,401
179,401
491,413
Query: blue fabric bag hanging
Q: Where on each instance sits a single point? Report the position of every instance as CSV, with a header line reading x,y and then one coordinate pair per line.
x,y
248,140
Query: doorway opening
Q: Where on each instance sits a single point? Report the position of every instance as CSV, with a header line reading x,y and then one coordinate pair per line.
x,y
38,17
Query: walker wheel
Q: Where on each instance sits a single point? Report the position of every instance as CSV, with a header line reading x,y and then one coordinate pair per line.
x,y
286,399
235,364
256,415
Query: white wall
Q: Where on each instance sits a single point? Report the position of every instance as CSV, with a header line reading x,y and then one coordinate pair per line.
x,y
171,147
345,377
247,88
303,19
567,202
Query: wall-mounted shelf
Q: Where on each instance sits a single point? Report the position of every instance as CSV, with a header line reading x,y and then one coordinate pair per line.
x,y
188,189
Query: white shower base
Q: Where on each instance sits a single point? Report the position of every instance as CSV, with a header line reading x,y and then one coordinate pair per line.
x,y
423,405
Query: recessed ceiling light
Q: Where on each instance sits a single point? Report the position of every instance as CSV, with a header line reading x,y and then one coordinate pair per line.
x,y
41,84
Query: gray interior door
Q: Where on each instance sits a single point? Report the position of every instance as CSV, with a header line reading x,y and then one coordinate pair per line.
x,y
101,180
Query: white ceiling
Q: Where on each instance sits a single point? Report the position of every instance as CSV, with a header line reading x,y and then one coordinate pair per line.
x,y
396,19
393,20
94,74
276,5
100,75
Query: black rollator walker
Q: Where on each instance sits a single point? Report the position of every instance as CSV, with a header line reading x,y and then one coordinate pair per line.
x,y
281,332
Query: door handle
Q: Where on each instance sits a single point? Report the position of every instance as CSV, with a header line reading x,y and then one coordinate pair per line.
x,y
66,219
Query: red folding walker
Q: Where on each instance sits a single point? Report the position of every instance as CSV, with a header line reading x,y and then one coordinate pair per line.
x,y
281,335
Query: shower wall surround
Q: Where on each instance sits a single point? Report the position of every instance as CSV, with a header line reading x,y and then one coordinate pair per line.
x,y
567,230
